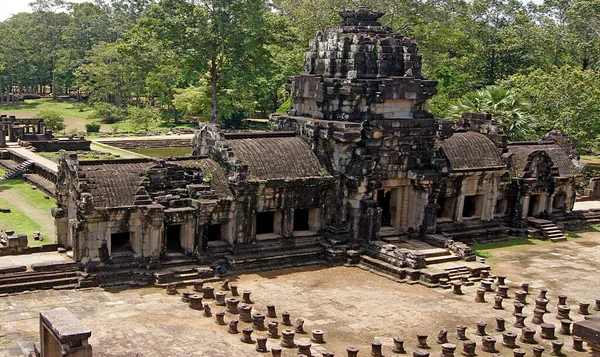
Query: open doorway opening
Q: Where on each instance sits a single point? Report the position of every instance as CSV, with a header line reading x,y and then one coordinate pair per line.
x,y
174,238
301,217
558,204
120,242
213,232
534,205
264,222
441,203
470,206
384,198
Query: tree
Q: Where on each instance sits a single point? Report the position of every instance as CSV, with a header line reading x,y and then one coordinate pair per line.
x,y
140,118
211,37
53,120
51,23
564,98
107,113
109,75
506,105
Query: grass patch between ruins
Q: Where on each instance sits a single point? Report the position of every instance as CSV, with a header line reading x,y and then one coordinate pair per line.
x,y
486,250
591,159
63,108
81,155
20,219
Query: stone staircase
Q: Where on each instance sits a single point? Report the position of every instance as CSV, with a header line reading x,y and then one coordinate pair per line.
x,y
182,275
17,171
47,276
592,216
383,268
438,255
390,235
278,253
549,229
473,230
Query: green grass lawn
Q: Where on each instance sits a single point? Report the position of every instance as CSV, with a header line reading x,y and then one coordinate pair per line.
x,y
21,221
81,155
82,112
591,159
37,105
486,250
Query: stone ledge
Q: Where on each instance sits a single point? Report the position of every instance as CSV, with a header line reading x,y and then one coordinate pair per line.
x,y
64,325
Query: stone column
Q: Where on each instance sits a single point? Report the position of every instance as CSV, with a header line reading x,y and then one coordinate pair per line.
x,y
2,138
460,204
525,206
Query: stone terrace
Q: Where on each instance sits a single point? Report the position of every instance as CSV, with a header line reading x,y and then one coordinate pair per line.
x,y
353,307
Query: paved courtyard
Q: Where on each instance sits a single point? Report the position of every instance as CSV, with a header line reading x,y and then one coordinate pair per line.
x,y
352,306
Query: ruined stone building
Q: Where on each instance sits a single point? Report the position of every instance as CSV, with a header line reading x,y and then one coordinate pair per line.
x,y
357,160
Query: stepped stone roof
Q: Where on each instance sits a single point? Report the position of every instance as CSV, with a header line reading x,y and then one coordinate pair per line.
x,y
560,158
114,184
470,150
218,183
276,157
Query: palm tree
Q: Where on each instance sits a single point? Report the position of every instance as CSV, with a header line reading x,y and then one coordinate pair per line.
x,y
507,107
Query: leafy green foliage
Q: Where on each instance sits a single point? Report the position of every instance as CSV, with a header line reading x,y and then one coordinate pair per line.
x,y
53,120
507,107
141,118
192,101
92,127
107,113
564,98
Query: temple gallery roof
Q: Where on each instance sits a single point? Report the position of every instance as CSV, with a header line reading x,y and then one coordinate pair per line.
x,y
114,184
471,150
276,157
560,159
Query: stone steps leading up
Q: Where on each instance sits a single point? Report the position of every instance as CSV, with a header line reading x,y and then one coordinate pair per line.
x,y
382,268
48,283
441,259
17,171
471,233
275,259
549,229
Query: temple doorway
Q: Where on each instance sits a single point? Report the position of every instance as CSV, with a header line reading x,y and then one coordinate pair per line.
x,y
384,200
173,239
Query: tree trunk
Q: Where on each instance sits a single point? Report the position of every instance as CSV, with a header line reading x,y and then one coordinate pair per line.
x,y
213,93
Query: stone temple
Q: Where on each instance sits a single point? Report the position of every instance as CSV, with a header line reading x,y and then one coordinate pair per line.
x,y
357,166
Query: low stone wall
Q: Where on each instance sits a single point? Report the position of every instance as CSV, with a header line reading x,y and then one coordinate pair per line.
x,y
57,145
146,144
44,172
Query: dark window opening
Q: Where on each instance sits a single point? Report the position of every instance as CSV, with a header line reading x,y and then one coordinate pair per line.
x,y
470,206
440,208
264,222
213,232
174,238
301,220
384,198
119,242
